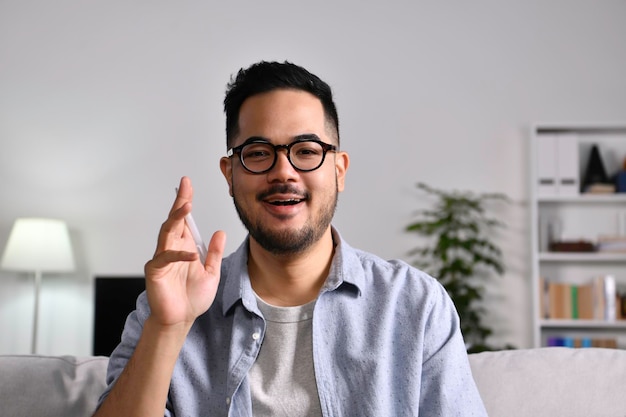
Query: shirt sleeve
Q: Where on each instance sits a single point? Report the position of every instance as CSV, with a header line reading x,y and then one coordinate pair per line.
x,y
124,350
448,387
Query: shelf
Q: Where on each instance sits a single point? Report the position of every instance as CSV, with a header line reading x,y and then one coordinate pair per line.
x,y
582,324
585,129
585,198
581,257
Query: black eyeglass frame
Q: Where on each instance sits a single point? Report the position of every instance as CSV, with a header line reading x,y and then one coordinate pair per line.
x,y
326,147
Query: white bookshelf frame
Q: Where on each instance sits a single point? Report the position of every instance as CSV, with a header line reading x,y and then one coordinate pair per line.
x,y
539,259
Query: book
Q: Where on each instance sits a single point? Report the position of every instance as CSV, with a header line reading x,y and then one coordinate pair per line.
x,y
574,301
585,302
596,300
559,300
610,292
605,293
611,244
608,343
599,303
583,342
600,189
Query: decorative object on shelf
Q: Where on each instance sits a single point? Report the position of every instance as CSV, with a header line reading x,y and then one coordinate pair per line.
x,y
619,179
572,246
596,181
38,245
460,254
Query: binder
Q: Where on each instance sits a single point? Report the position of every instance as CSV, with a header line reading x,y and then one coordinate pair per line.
x,y
568,182
546,159
557,162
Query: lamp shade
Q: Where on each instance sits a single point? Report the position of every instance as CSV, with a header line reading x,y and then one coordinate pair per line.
x,y
38,245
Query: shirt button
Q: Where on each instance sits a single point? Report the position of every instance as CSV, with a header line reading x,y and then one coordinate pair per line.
x,y
227,400
256,336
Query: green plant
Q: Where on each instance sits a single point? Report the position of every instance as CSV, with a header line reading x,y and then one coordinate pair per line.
x,y
460,253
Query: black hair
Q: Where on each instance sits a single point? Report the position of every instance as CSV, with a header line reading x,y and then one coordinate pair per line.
x,y
265,76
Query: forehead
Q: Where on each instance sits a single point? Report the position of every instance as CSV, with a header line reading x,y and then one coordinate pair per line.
x,y
282,114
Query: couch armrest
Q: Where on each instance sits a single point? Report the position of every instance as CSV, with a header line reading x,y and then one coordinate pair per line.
x,y
551,382
33,385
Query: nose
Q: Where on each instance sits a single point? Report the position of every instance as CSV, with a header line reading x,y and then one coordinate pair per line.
x,y
282,170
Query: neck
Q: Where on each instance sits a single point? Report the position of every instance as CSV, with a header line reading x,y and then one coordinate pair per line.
x,y
290,280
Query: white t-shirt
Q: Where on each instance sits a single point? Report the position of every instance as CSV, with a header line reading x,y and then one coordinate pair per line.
x,y
282,379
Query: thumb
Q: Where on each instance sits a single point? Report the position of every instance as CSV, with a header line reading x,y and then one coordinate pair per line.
x,y
215,252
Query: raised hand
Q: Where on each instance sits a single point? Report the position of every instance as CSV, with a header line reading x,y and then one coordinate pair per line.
x,y
179,286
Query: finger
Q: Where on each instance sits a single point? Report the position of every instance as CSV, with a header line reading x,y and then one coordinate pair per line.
x,y
183,195
215,253
173,229
168,257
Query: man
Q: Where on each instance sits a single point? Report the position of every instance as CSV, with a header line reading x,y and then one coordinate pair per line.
x,y
295,322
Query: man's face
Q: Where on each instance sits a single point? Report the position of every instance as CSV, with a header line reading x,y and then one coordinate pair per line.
x,y
285,210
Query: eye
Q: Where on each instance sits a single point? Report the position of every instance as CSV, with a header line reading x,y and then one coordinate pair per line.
x,y
307,150
256,151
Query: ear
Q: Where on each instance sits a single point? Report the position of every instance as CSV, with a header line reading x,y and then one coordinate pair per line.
x,y
342,161
226,166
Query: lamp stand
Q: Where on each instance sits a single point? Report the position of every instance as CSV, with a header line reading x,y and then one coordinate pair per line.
x,y
36,312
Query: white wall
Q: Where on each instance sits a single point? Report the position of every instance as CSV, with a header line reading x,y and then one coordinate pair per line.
x,y
104,105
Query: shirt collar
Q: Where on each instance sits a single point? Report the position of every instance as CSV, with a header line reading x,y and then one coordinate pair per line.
x,y
236,282
345,268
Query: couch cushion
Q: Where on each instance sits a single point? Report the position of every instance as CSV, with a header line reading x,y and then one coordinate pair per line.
x,y
551,382
41,386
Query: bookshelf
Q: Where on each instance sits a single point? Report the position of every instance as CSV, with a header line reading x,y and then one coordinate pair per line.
x,y
561,212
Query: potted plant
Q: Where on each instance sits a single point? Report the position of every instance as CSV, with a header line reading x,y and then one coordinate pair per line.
x,y
460,253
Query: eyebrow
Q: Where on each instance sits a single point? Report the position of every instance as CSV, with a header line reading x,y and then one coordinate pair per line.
x,y
297,138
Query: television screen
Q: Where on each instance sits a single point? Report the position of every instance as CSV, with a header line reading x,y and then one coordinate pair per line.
x,y
114,299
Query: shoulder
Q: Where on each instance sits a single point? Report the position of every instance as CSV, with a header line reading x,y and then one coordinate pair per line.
x,y
392,267
387,284
375,270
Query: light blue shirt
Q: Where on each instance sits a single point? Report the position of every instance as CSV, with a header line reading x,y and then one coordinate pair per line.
x,y
386,342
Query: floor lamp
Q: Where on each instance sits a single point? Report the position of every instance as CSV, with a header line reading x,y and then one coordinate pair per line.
x,y
38,245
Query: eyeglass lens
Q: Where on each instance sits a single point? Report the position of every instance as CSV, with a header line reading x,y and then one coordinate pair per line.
x,y
304,155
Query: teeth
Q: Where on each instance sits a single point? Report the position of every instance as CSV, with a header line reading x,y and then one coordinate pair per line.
x,y
284,202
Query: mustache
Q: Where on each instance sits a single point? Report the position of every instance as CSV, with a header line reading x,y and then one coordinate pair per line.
x,y
282,189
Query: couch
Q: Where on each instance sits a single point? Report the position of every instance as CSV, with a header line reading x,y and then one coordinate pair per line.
x,y
552,382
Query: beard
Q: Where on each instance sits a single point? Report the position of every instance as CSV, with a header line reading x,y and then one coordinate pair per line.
x,y
289,241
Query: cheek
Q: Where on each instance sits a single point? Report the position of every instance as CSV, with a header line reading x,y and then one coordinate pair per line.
x,y
324,186
243,189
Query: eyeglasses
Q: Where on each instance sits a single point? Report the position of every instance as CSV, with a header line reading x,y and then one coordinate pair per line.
x,y
258,156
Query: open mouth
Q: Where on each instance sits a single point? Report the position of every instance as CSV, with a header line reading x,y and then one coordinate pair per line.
x,y
289,202
283,195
